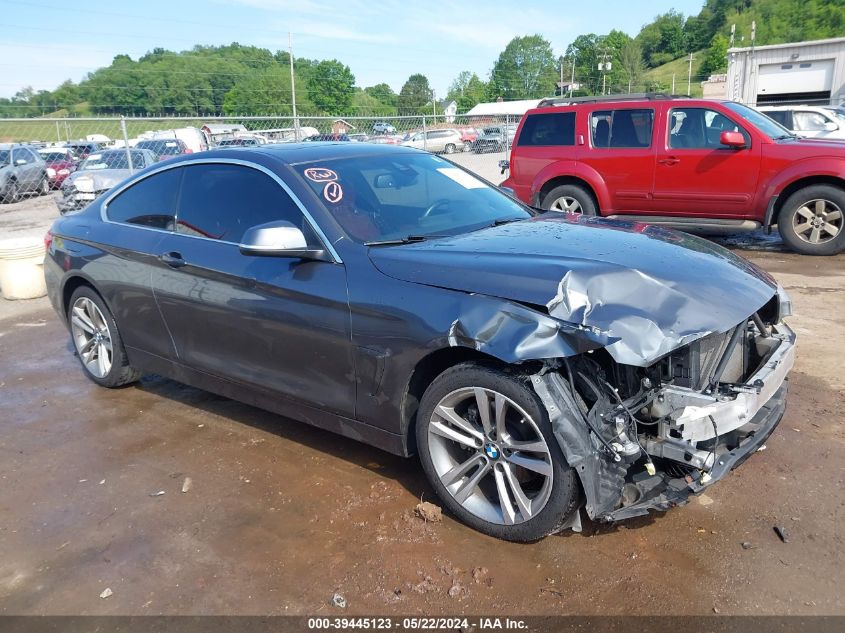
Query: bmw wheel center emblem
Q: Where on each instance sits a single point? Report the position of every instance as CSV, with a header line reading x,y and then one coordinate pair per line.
x,y
492,451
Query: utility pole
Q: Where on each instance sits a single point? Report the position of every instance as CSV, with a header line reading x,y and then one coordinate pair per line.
x,y
604,66
572,80
689,76
561,75
293,89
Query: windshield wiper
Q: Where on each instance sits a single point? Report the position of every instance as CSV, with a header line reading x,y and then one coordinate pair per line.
x,y
409,239
785,136
502,221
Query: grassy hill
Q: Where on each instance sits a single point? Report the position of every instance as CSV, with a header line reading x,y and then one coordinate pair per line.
x,y
662,75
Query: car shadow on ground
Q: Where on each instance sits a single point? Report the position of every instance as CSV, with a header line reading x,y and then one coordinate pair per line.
x,y
405,471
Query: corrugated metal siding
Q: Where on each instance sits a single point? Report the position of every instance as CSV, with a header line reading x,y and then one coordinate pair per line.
x,y
743,67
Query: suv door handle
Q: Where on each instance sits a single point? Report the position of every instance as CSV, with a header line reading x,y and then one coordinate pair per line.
x,y
671,160
172,259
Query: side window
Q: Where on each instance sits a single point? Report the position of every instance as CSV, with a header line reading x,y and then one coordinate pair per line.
x,y
622,128
149,202
700,128
808,121
784,117
31,156
548,129
221,201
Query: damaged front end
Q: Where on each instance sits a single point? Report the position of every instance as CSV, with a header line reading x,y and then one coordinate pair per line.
x,y
646,438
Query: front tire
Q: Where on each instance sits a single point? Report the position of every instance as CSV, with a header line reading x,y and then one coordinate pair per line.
x,y
569,199
97,340
487,447
811,220
44,186
13,192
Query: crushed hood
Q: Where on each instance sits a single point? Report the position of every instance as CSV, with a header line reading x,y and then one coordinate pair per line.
x,y
648,289
102,178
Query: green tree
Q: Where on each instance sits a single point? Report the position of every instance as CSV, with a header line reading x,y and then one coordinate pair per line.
x,y
365,104
526,69
331,86
631,63
663,39
467,90
265,92
716,58
384,94
415,94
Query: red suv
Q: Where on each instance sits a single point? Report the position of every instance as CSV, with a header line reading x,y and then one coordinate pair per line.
x,y
695,164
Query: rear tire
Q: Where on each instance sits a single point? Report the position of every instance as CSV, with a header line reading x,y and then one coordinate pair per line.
x,y
450,148
97,340
44,187
812,220
569,199
502,473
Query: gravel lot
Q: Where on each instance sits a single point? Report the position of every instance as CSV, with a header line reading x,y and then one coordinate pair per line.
x,y
279,516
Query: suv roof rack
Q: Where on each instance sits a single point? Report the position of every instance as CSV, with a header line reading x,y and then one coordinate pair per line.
x,y
639,96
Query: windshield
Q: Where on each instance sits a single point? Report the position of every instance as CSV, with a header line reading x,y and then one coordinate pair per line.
x,y
4,156
112,160
54,157
396,195
162,148
767,126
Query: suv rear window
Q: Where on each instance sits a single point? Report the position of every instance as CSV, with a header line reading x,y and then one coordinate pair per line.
x,y
622,128
548,129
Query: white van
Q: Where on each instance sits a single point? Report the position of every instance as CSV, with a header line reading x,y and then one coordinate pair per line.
x,y
194,138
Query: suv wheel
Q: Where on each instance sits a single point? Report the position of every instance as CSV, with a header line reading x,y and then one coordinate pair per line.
x,y
569,199
487,447
811,220
450,148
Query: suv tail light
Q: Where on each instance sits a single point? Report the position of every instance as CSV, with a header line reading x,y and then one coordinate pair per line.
x,y
188,150
48,240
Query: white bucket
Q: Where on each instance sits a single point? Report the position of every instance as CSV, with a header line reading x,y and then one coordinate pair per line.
x,y
22,268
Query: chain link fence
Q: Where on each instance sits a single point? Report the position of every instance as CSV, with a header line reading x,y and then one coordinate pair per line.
x,y
477,143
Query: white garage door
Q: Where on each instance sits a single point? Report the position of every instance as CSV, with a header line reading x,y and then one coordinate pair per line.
x,y
795,77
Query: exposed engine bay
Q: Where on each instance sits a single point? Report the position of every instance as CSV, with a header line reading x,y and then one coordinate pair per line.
x,y
644,438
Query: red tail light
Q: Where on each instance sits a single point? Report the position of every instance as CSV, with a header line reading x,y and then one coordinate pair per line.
x,y
189,151
48,239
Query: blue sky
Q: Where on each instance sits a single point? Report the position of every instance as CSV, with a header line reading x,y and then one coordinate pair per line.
x,y
47,41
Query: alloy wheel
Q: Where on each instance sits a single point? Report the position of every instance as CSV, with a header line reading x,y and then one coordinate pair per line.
x,y
91,337
490,455
817,221
566,204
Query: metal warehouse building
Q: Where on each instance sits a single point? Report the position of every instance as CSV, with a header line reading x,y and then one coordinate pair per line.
x,y
801,72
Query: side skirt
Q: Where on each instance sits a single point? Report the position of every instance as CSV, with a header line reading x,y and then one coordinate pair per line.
x,y
353,429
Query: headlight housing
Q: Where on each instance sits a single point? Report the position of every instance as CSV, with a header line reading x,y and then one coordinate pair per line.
x,y
784,304
51,173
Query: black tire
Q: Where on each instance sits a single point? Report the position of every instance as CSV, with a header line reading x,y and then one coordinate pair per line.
x,y
120,373
790,220
450,148
44,186
564,497
586,204
13,192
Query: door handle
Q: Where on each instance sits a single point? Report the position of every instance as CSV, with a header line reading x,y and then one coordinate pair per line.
x,y
172,259
671,160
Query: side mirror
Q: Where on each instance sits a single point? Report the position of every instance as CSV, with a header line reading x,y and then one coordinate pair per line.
x,y
732,139
830,126
279,239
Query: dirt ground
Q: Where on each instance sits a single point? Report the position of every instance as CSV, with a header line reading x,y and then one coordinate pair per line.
x,y
280,516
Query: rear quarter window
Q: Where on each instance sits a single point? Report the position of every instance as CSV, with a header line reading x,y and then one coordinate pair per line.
x,y
150,202
557,128
631,128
